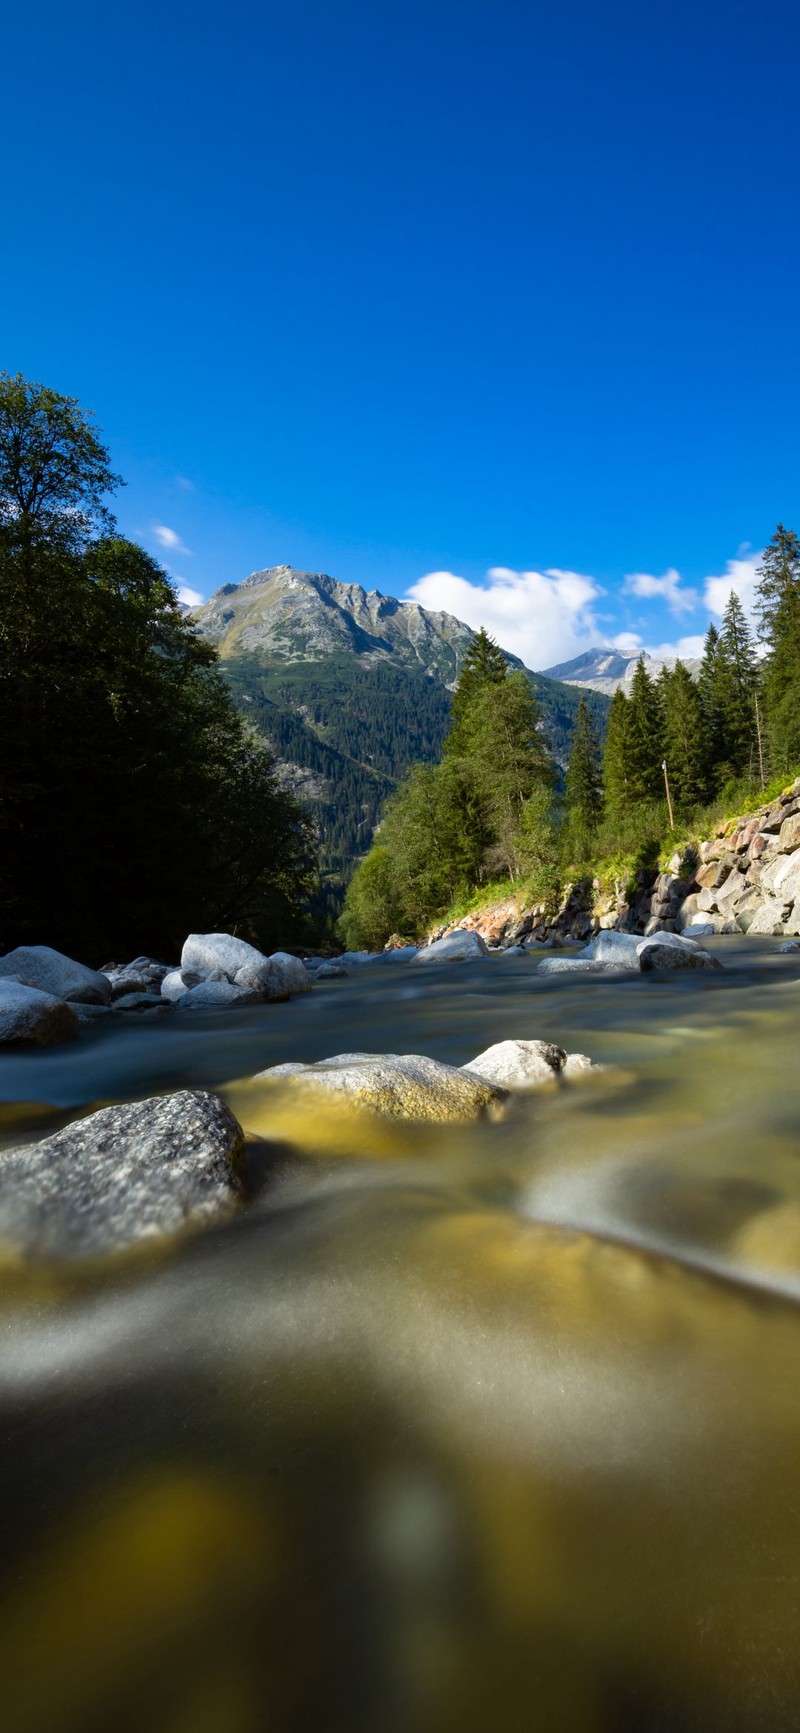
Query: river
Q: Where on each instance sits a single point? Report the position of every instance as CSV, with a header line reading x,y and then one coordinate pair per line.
x,y
454,1429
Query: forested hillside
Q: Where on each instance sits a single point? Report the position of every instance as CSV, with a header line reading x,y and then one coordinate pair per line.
x,y
351,688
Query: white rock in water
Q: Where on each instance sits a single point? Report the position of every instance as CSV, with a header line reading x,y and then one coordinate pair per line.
x,y
518,1064
459,947
619,950
221,955
294,974
173,985
400,1085
37,1018
210,994
39,966
122,1175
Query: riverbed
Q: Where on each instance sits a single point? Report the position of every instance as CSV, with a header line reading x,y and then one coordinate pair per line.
x,y
458,1429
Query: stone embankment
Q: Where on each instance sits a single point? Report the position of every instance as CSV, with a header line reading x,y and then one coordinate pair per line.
x,y
743,879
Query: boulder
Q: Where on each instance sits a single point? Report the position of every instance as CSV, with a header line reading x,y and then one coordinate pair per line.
x,y
211,995
578,966
781,878
518,1064
233,960
353,959
615,950
704,928
768,919
173,985
139,1002
791,925
293,974
790,945
120,1176
457,947
729,893
36,1018
402,1086
789,834
655,955
39,966
330,972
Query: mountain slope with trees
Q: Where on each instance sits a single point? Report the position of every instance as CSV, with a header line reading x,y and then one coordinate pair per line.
x,y
351,688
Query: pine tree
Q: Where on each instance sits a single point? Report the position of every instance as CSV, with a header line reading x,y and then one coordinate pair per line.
x,y
584,788
779,611
616,782
683,735
738,683
644,737
484,665
710,687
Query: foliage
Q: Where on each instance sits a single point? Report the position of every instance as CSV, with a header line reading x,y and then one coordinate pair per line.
x,y
584,787
779,610
134,802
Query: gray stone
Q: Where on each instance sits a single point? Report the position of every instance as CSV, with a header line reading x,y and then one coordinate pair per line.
x,y
173,985
518,1064
241,964
781,878
36,1018
399,1085
330,972
791,925
138,1002
213,995
617,950
291,972
458,947
39,966
579,1065
680,942
789,835
579,966
120,1176
790,945
655,955
707,899
731,891
141,976
768,919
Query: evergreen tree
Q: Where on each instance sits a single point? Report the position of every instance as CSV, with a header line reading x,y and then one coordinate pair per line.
x,y
779,610
711,686
738,681
683,735
584,788
616,780
135,804
484,666
644,738
508,757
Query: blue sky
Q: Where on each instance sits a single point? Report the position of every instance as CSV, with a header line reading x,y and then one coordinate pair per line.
x,y
491,304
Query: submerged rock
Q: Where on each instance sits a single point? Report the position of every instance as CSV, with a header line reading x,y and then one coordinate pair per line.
x,y
122,1175
143,975
401,1085
39,966
458,947
173,985
330,972
37,1018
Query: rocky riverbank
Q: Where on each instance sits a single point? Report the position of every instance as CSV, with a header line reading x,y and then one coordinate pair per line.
x,y
744,878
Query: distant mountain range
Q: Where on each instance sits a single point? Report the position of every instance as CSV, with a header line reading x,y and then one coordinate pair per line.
x,y
351,687
604,670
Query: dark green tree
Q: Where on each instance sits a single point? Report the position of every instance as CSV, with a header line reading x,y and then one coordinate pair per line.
x,y
644,737
484,666
616,776
778,596
683,735
134,803
738,683
584,789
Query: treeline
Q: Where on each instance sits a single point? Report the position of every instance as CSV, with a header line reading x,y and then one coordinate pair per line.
x,y
483,810
135,804
673,746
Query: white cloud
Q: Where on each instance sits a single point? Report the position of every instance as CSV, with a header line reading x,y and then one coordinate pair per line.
x,y
191,598
666,589
542,617
630,644
739,575
168,538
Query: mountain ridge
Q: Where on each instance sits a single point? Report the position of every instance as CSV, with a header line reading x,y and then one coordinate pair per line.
x,y
604,670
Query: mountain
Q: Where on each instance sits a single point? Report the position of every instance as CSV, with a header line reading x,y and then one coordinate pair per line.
x,y
350,687
604,670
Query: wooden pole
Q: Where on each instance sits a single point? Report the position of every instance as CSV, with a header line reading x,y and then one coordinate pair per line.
x,y
669,796
760,745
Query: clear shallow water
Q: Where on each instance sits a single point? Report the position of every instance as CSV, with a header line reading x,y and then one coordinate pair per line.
x,y
475,1428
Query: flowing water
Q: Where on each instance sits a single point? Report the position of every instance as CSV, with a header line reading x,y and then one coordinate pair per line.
x,y
466,1429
